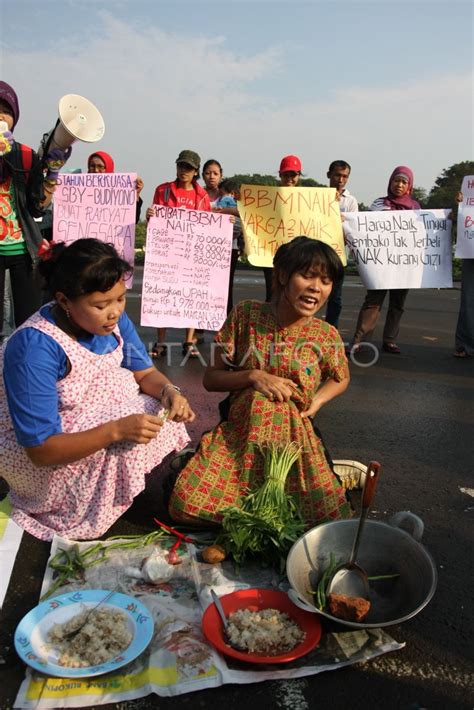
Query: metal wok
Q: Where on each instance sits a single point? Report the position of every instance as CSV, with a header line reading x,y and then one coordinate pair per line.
x,y
384,549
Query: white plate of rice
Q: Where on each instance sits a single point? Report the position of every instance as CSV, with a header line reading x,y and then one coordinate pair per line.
x,y
114,634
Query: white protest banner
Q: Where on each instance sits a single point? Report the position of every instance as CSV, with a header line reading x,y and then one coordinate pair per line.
x,y
98,205
272,216
401,249
465,231
187,266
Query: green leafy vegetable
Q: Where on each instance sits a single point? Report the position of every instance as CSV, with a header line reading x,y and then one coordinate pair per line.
x,y
269,521
71,564
321,589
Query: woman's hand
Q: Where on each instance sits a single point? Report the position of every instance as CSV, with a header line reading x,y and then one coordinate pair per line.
x,y
276,388
138,428
150,212
313,409
178,406
325,394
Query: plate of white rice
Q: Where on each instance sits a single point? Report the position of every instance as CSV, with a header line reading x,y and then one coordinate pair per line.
x,y
114,634
265,625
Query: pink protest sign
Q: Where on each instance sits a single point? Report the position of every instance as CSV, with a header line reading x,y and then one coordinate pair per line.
x,y
98,205
186,274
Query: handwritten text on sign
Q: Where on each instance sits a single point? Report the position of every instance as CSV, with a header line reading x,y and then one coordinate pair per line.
x,y
272,216
401,249
186,274
102,206
465,233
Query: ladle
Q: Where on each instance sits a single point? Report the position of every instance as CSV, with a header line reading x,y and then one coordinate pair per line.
x,y
349,578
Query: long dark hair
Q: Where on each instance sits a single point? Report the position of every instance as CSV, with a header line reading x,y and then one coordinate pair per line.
x,y
211,161
85,266
301,255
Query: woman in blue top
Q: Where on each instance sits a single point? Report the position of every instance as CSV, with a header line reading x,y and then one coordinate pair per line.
x,y
82,421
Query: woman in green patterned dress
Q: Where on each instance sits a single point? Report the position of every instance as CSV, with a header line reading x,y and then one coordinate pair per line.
x,y
280,365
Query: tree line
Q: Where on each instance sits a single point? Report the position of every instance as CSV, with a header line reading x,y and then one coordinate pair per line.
x,y
441,195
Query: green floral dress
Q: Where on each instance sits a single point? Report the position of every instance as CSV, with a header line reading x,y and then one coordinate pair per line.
x,y
229,461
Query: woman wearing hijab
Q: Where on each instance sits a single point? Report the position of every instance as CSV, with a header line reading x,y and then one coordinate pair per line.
x,y
26,189
101,162
398,197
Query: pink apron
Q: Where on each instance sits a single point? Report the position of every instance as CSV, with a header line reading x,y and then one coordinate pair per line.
x,y
82,500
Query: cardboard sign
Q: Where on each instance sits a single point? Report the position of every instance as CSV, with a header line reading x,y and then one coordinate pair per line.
x,y
187,266
465,231
401,249
272,216
98,205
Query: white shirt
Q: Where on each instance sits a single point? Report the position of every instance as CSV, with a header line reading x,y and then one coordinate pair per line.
x,y
347,202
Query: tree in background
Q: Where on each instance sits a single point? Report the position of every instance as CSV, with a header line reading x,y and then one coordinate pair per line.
x,y
420,195
448,184
257,179
140,235
309,182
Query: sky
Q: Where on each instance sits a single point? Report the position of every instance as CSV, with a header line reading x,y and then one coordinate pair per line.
x,y
378,84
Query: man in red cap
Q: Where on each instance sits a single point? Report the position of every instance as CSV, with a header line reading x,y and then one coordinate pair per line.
x,y
290,171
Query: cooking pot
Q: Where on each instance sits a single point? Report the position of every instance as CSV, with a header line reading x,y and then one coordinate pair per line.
x,y
385,549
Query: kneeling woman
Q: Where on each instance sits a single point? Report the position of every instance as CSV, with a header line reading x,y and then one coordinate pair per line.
x,y
273,359
82,421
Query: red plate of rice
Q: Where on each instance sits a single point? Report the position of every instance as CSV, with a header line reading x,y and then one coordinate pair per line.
x,y
258,600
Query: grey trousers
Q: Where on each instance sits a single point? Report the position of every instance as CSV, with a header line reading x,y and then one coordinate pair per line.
x,y
464,338
370,311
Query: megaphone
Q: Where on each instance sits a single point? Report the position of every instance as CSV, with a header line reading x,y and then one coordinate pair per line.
x,y
78,119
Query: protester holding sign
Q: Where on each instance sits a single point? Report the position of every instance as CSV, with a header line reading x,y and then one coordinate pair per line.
x,y
398,197
184,192
272,358
290,173
27,185
464,338
227,204
212,176
88,415
101,162
338,174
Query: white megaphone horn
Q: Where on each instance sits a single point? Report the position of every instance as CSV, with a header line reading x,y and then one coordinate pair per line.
x,y
79,120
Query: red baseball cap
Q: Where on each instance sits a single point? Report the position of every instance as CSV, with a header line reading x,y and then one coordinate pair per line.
x,y
290,164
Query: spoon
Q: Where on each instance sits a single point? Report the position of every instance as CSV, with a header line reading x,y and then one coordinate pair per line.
x,y
225,623
349,578
72,634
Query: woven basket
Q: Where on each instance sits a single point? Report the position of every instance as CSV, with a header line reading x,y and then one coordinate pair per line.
x,y
351,473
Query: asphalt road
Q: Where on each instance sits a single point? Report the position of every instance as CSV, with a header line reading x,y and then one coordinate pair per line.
x,y
412,412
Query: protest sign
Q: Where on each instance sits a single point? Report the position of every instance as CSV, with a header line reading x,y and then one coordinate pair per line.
x,y
401,249
102,206
465,231
272,216
187,265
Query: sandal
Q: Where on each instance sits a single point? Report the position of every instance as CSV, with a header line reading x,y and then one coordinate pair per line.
x,y
354,349
158,350
190,350
391,348
460,352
